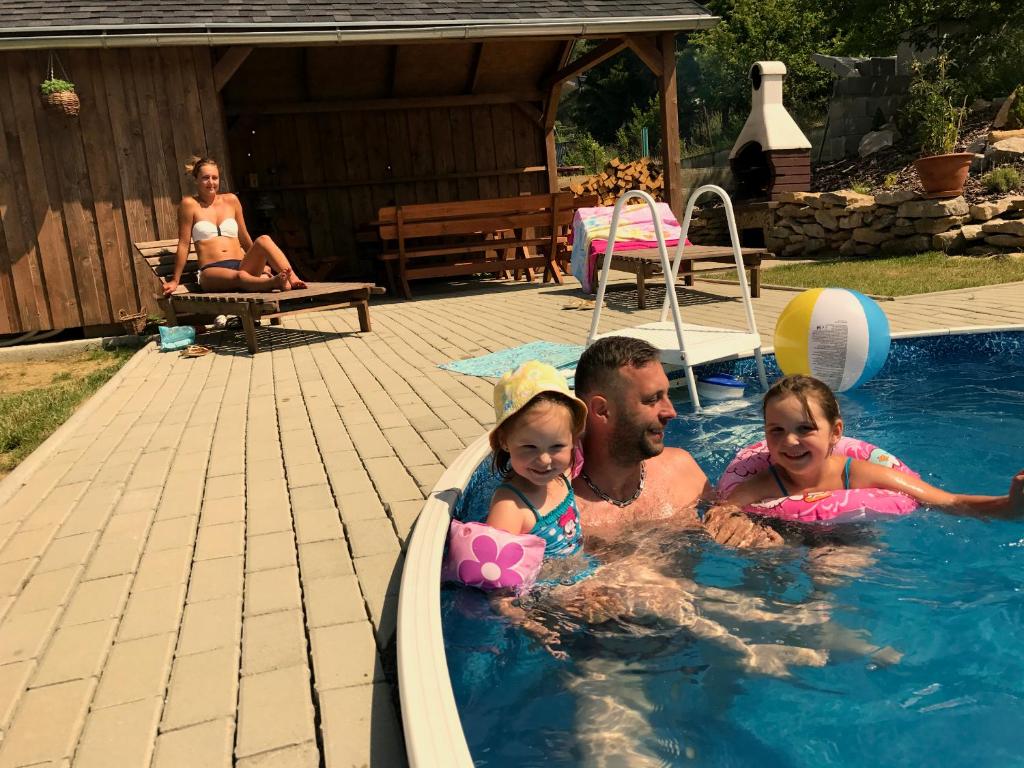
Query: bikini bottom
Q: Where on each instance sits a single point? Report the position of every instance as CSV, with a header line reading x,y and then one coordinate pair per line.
x,y
225,264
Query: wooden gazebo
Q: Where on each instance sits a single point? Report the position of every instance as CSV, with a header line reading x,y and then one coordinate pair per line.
x,y
320,113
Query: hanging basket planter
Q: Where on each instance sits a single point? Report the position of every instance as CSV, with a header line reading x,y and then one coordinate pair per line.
x,y
65,101
59,92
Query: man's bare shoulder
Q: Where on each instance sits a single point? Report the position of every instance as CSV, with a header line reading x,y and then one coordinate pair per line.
x,y
675,475
676,460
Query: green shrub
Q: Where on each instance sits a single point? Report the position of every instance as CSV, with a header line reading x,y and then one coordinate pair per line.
x,y
928,115
586,151
55,85
861,188
628,137
1004,179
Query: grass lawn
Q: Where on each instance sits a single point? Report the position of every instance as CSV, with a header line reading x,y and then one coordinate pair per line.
x,y
894,275
36,397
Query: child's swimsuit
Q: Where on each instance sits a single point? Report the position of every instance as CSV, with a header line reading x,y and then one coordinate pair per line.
x,y
560,528
846,477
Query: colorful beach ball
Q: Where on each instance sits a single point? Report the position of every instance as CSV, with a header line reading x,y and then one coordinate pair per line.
x,y
834,334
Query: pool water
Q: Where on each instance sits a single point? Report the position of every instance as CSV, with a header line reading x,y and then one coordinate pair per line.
x,y
947,592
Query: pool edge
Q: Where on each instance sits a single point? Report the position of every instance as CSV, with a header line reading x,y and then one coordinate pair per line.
x,y
433,730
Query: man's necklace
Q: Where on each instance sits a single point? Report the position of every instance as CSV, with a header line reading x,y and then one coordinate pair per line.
x,y
618,502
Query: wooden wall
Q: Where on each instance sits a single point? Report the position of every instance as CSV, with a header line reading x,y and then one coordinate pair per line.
x,y
324,137
317,138
76,192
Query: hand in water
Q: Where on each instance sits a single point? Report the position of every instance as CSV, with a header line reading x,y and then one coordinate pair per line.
x,y
1017,495
732,528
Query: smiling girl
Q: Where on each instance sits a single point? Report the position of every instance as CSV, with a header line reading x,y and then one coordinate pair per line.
x,y
802,425
538,423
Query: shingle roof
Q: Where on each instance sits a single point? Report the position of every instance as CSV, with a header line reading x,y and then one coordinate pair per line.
x,y
45,18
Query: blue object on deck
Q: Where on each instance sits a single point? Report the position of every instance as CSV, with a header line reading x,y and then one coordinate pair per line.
x,y
176,337
495,364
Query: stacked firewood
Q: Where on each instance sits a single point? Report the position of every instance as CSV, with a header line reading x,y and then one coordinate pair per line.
x,y
620,176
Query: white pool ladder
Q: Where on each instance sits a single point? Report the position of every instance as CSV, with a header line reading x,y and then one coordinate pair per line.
x,y
680,343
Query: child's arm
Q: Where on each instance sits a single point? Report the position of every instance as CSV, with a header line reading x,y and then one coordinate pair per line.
x,y
871,475
508,514
750,491
507,606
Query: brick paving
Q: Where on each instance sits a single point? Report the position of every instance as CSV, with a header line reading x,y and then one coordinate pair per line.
x,y
205,570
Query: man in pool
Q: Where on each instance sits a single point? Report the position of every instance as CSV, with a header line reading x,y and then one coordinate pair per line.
x,y
632,495
629,476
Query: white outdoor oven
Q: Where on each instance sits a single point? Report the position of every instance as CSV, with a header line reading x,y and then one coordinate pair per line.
x,y
771,155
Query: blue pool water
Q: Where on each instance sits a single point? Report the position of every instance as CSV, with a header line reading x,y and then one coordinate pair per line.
x,y
946,592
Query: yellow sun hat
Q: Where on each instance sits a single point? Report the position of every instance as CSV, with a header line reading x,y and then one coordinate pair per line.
x,y
517,388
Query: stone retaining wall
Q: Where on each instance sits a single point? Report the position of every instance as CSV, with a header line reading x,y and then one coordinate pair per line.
x,y
852,224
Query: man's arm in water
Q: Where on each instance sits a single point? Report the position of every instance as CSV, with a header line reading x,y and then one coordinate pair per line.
x,y
729,526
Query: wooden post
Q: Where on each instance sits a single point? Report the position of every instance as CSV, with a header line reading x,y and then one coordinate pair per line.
x,y
554,95
673,172
550,154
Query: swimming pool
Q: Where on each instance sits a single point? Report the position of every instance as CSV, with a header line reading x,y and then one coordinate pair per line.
x,y
946,592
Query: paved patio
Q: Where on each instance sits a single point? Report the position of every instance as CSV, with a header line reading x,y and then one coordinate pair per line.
x,y
202,568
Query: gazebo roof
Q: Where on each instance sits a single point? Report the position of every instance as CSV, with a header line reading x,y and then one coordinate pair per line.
x,y
43,23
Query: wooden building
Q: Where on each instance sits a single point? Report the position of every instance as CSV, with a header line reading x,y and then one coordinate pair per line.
x,y
320,113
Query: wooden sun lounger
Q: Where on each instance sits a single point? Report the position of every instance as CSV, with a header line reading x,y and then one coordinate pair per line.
x,y
189,299
646,263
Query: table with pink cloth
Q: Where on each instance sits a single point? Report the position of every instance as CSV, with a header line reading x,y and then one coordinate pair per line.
x,y
592,226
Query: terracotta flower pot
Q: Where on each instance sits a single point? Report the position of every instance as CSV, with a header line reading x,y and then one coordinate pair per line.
x,y
944,175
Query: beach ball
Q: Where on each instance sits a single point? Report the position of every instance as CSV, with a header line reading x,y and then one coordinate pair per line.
x,y
834,334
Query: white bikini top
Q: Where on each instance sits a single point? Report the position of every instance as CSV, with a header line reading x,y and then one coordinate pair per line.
x,y
204,230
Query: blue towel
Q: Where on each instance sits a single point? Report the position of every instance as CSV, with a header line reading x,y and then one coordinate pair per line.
x,y
495,364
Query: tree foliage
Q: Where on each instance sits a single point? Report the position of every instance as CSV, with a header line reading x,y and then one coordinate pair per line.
x,y
764,30
984,39
606,95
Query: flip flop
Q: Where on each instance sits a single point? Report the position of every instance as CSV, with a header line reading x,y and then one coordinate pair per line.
x,y
195,350
580,304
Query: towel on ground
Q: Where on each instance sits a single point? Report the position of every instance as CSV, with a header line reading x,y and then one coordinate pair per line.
x,y
494,364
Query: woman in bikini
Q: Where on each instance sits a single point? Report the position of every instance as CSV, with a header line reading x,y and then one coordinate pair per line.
x,y
229,260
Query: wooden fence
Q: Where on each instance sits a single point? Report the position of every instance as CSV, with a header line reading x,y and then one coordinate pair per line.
x,y
75,192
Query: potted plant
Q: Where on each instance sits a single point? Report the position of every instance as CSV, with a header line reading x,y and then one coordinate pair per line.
x,y
60,94
930,117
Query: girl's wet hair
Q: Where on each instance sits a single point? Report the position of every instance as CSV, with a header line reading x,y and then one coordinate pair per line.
x,y
195,164
804,389
501,461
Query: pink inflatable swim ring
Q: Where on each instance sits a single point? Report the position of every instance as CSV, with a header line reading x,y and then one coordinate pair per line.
x,y
825,506
485,557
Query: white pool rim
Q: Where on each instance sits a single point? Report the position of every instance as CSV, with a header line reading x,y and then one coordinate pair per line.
x,y
433,730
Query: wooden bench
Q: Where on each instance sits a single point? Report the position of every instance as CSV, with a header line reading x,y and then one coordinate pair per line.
x,y
189,299
471,236
646,262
